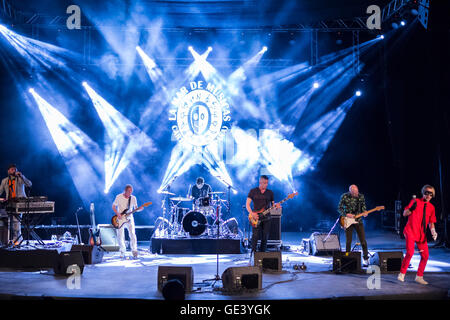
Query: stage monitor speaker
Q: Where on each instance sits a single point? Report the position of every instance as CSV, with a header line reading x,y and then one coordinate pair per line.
x,y
242,278
91,254
184,274
268,260
322,244
347,262
66,259
388,261
108,235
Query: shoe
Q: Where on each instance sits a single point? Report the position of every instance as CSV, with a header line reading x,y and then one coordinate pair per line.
x,y
135,254
366,262
401,277
420,280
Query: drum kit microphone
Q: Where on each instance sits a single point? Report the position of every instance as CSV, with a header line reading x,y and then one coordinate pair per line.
x,y
197,217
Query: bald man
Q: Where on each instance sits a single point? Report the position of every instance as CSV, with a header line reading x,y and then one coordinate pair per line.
x,y
351,204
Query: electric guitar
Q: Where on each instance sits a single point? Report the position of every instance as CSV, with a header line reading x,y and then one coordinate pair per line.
x,y
94,232
119,222
263,212
347,222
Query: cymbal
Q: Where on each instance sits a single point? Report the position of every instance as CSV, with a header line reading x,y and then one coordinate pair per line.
x,y
167,192
217,192
180,199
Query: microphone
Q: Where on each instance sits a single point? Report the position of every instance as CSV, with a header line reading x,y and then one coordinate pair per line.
x,y
414,206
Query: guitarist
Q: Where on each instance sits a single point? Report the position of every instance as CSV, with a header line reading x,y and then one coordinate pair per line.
x,y
126,201
351,204
262,198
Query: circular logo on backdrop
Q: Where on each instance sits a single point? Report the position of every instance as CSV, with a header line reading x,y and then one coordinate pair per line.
x,y
201,113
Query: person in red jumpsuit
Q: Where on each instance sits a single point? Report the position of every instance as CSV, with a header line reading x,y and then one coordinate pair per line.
x,y
420,213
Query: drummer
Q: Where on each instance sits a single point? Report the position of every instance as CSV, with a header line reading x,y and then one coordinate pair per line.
x,y
200,190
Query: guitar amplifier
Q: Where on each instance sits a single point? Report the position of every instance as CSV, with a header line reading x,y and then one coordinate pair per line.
x,y
108,235
322,244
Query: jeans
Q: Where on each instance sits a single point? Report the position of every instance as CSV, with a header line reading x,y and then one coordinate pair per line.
x,y
359,227
262,232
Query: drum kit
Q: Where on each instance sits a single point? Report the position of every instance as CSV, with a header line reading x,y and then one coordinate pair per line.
x,y
201,217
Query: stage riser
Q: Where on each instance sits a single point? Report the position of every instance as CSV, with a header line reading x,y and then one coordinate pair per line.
x,y
196,246
28,258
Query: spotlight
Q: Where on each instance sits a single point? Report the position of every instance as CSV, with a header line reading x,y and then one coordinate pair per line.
x,y
316,85
264,49
358,93
402,23
381,37
209,48
84,83
190,48
31,90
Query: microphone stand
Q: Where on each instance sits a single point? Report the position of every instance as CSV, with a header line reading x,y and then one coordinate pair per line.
x,y
78,224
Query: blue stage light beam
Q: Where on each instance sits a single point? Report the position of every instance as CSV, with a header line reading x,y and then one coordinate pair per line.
x,y
242,151
238,76
81,155
200,65
37,53
184,156
278,155
152,69
316,138
123,139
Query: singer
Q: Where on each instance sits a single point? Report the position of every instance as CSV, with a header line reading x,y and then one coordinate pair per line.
x,y
14,187
420,213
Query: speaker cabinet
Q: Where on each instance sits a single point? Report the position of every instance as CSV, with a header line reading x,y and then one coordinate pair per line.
x,y
91,254
242,278
108,235
275,224
388,261
347,262
268,260
66,259
184,274
322,244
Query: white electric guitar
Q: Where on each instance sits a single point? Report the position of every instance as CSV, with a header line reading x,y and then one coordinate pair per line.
x,y
119,222
347,222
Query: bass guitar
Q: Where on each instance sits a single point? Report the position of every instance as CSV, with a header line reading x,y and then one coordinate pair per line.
x,y
263,212
347,222
119,222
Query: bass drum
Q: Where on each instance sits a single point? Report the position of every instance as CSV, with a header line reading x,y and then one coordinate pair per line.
x,y
194,223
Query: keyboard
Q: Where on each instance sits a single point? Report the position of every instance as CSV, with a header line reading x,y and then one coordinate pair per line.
x,y
31,207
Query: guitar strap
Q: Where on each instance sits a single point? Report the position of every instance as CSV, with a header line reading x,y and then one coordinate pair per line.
x,y
129,203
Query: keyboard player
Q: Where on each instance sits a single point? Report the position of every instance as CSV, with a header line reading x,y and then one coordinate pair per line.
x,y
13,186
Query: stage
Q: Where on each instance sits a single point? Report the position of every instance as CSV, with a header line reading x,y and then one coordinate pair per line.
x,y
137,279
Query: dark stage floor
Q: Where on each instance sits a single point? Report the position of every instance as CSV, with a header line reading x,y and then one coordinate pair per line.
x,y
115,278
